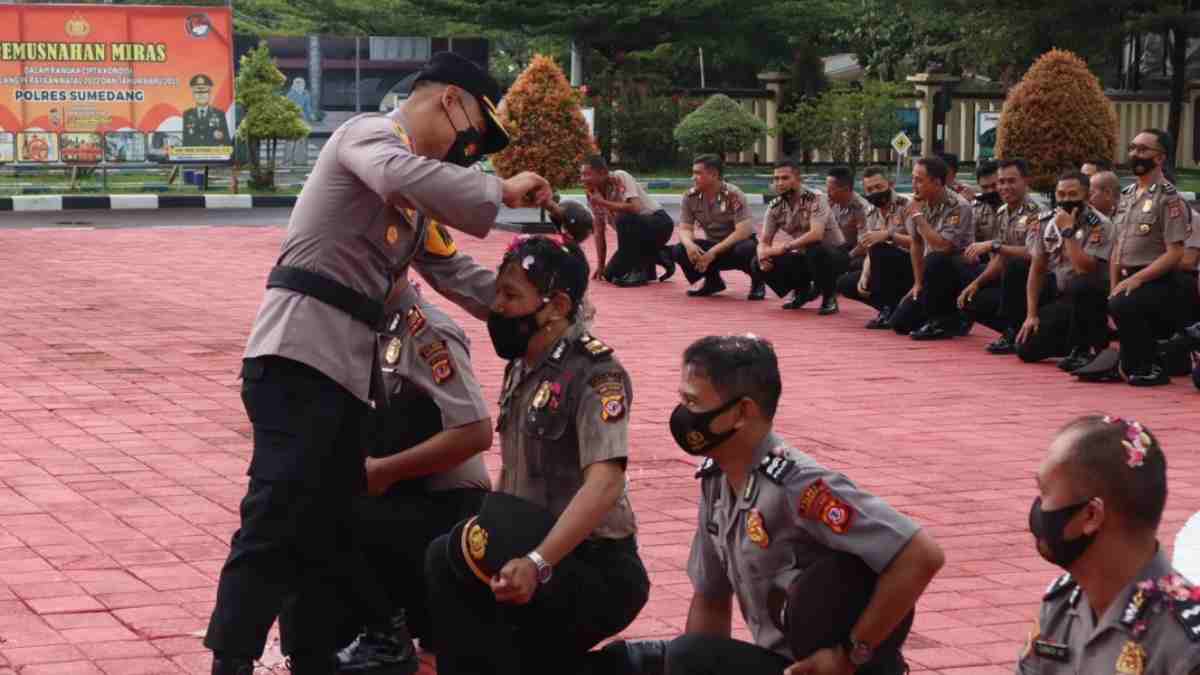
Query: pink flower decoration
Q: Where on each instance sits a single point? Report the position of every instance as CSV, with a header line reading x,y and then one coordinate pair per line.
x,y
1136,442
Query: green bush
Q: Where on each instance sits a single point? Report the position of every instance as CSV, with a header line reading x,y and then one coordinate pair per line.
x,y
719,126
640,129
848,121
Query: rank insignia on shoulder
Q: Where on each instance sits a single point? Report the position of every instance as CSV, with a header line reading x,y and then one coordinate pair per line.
x,y
1188,613
818,503
775,202
1169,188
1058,586
1132,660
416,321
776,468
1128,189
594,347
708,467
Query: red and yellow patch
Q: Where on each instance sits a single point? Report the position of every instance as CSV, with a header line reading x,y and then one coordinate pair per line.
x,y
437,355
438,241
818,502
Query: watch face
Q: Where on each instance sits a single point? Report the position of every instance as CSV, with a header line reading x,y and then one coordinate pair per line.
x,y
861,654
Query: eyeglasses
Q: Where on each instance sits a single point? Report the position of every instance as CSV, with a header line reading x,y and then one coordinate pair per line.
x,y
1140,149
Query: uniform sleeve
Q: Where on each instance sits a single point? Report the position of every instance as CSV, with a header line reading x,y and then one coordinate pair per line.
x,y
440,365
1027,661
629,187
1102,249
822,212
466,199
836,513
602,416
1176,219
1194,240
1033,241
742,213
459,279
704,567
769,224
962,233
686,217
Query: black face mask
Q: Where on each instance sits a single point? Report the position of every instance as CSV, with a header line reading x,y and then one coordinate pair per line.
x,y
1141,165
465,149
692,431
1048,527
510,336
1071,205
880,199
992,199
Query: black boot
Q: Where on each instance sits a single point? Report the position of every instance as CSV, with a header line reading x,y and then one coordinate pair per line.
x,y
758,290
232,665
667,261
828,306
632,279
712,286
380,650
1005,344
1078,358
1150,376
882,321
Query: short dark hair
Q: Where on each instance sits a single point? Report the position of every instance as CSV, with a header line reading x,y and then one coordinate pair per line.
x,y
551,266
843,176
574,219
935,167
789,163
986,168
875,170
1099,466
1163,138
710,162
1019,164
739,366
1100,164
1080,176
950,159
596,162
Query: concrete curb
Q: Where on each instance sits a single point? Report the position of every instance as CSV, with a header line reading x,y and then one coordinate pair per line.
x,y
142,202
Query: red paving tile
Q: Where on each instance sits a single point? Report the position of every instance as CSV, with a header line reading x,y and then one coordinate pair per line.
x,y
123,444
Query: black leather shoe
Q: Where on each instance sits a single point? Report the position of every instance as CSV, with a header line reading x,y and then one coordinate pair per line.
x,y
932,330
380,650
709,288
1002,345
1078,358
965,324
632,279
667,262
828,306
1104,367
1151,376
800,299
758,291
881,321
227,665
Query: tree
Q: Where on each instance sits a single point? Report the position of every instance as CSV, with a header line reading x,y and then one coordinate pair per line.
x,y
719,126
270,116
848,121
549,135
1055,118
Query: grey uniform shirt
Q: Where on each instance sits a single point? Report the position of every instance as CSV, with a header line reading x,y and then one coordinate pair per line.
x,y
987,224
1148,222
789,220
951,218
877,221
1016,223
421,347
718,217
560,416
1094,233
850,217
348,226
791,513
1152,627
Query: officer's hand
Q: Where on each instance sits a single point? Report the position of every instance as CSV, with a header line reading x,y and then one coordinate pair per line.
x,y
915,293
516,582
863,289
526,189
703,262
872,238
829,661
1064,219
966,192
766,264
977,249
1126,286
1028,329
377,479
967,295
693,252
598,274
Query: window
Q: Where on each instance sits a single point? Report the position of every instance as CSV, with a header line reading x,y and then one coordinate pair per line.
x,y
400,48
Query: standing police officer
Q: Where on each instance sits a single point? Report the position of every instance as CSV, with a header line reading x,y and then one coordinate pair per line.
x,y
309,368
1120,608
768,512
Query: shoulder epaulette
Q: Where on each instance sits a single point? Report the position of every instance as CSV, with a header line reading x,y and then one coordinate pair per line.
x,y
775,202
594,348
1091,218
1046,216
1188,613
1059,586
1169,188
708,467
1128,189
692,191
776,468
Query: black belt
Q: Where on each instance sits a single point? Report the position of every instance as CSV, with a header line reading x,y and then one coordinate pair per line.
x,y
1127,272
328,291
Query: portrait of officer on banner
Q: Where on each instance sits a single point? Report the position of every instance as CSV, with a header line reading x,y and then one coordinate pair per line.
x,y
204,125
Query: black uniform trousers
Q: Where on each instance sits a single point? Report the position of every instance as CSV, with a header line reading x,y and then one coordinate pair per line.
x,y
639,240
1003,306
707,655
740,257
817,265
1075,318
394,530
595,593
890,278
1143,317
946,274
288,554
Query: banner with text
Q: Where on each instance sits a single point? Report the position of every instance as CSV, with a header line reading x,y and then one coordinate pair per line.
x,y
83,78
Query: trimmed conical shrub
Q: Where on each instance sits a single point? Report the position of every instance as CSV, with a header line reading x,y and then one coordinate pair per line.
x,y
1056,118
719,126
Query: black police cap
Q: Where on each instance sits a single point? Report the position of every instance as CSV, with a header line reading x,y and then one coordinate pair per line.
x,y
822,605
506,528
450,68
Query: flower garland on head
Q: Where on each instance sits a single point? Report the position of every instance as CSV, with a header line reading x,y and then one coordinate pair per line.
x,y
1137,442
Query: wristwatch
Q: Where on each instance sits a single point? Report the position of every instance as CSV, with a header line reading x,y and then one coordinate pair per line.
x,y
1067,233
891,239
859,653
544,569
995,246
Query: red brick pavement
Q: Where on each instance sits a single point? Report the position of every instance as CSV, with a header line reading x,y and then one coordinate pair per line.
x,y
123,444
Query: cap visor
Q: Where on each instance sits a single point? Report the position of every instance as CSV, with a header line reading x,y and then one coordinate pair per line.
x,y
497,137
